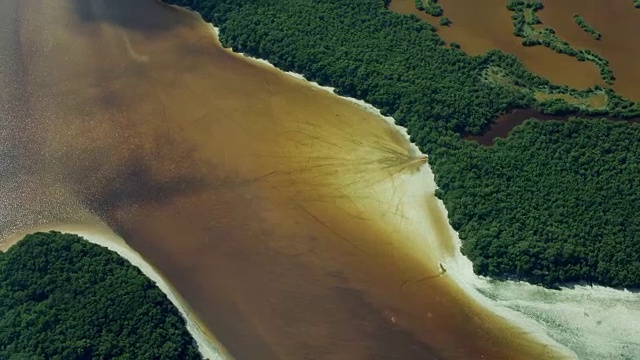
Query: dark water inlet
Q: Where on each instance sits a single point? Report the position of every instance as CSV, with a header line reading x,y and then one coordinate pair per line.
x,y
505,123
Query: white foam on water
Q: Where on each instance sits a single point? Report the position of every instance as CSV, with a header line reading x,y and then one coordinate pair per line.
x,y
596,322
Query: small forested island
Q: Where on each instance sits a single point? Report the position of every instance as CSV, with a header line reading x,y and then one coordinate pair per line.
x,y
553,203
579,20
431,7
62,297
526,22
444,21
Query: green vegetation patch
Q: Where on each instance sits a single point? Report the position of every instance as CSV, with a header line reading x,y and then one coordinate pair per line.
x,y
506,70
444,21
399,64
555,202
636,4
62,297
579,20
431,7
526,25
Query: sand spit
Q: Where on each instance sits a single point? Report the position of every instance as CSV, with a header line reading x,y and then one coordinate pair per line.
x,y
210,348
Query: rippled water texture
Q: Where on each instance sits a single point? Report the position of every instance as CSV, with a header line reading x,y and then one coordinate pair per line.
x,y
296,224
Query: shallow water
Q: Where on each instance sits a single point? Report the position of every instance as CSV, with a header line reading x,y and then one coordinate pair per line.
x,y
617,21
479,26
297,225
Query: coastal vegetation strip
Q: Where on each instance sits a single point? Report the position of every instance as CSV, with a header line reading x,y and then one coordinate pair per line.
x,y
431,7
62,297
399,64
579,20
527,25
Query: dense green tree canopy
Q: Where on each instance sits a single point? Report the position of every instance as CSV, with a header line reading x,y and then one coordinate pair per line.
x,y
62,297
431,7
579,20
555,202
551,204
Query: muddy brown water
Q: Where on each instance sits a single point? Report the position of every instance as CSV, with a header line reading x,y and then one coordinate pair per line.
x,y
617,21
479,26
288,219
